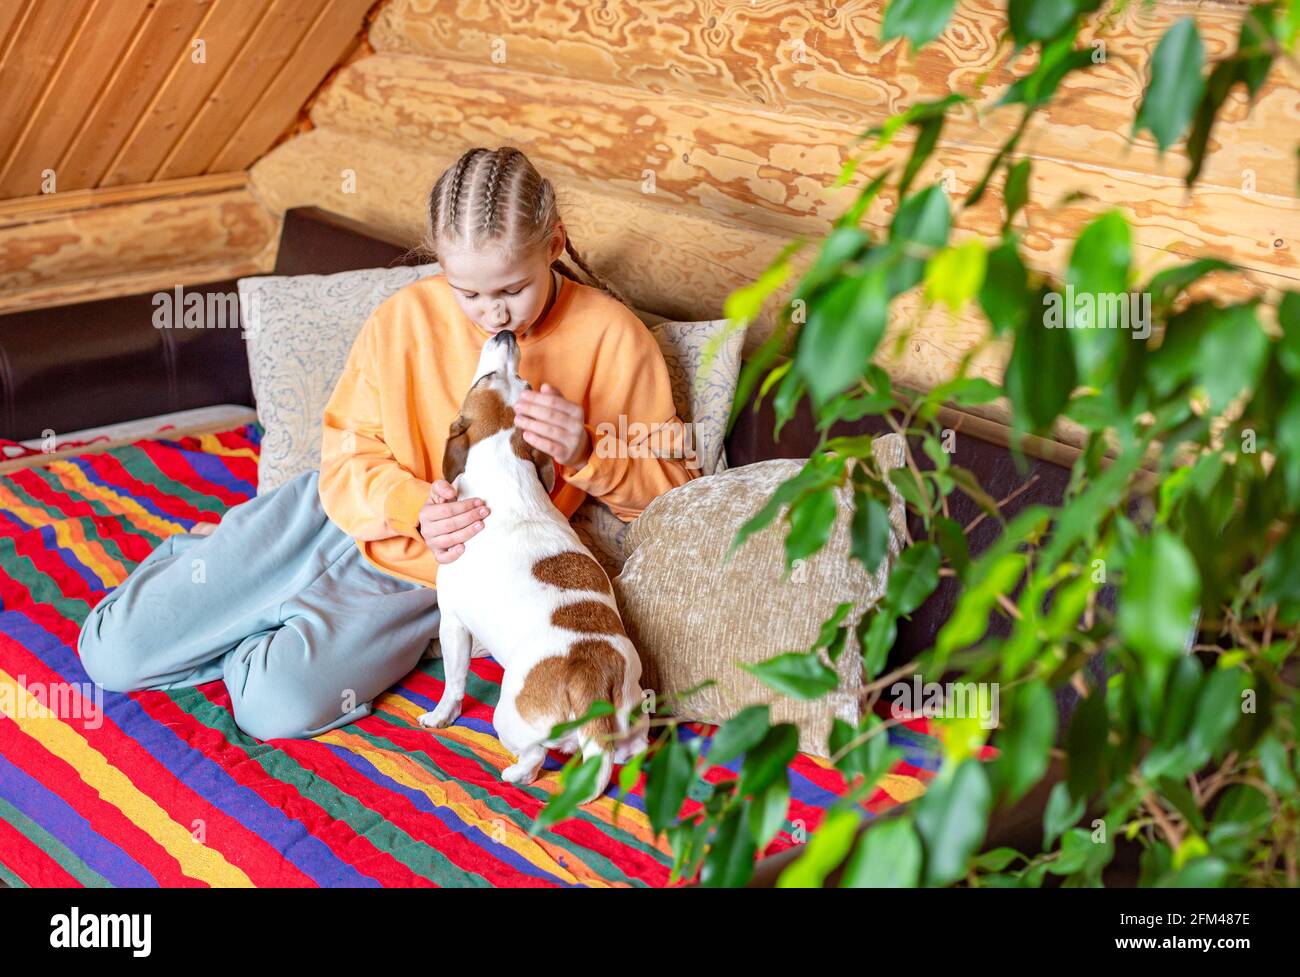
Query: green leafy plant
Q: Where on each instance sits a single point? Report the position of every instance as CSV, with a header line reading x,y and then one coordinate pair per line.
x,y
1182,503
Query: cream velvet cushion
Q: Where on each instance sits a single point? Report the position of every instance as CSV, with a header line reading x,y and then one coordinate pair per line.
x,y
692,618
703,399
300,329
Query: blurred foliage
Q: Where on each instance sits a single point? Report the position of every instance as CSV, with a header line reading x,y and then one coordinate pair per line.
x,y
1183,502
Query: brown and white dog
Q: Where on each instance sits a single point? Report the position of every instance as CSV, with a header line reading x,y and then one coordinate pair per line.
x,y
528,589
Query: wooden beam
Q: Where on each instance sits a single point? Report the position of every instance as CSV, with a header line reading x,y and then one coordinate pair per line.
x,y
92,244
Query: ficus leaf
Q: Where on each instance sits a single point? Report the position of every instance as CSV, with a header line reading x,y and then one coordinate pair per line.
x,y
1175,85
954,275
1224,75
1062,811
924,219
1161,589
888,856
877,637
1168,284
768,759
914,577
1016,193
844,327
768,810
1098,272
1004,295
668,777
869,530
730,861
827,847
811,519
927,137
1036,20
871,758
1041,373
800,675
578,780
1085,743
1059,58
952,818
920,21
738,734
1026,741
970,618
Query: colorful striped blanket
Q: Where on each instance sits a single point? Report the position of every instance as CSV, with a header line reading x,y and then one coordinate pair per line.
x,y
162,789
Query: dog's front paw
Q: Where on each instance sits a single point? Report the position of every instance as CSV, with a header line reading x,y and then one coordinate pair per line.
x,y
446,714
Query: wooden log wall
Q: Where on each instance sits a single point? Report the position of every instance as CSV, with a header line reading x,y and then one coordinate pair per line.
x,y
92,244
690,140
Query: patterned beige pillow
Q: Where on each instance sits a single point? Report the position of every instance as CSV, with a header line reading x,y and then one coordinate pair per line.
x,y
693,619
702,397
300,329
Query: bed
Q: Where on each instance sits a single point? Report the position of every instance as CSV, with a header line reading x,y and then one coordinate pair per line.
x,y
162,789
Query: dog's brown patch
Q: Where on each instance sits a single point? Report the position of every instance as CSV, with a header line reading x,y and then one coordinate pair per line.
x,y
563,687
540,459
572,570
521,447
591,616
482,414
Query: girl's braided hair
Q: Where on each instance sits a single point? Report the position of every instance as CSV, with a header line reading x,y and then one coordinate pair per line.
x,y
497,197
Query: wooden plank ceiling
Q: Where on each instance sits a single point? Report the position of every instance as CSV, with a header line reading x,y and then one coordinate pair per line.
x,y
99,95
112,92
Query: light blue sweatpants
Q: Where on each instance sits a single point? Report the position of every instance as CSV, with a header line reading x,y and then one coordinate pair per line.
x,y
278,602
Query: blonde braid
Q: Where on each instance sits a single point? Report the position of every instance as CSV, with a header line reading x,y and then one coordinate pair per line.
x,y
491,183
596,279
461,166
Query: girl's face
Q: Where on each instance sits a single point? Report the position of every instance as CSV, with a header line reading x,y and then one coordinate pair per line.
x,y
497,292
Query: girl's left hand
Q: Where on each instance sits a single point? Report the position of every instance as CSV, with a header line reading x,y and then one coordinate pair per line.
x,y
554,425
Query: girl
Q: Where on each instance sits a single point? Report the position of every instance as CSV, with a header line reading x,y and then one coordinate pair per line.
x,y
311,600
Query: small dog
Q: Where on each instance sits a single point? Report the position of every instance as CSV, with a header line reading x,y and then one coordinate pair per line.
x,y
528,589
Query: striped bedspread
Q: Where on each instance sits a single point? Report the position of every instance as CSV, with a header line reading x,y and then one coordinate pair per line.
x,y
162,789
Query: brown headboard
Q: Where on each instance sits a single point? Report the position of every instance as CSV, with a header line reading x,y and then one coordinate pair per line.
x,y
101,362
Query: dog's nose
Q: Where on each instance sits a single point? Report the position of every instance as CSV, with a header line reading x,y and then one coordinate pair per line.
x,y
506,336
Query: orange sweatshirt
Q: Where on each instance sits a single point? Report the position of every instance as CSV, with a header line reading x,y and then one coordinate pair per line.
x,y
386,423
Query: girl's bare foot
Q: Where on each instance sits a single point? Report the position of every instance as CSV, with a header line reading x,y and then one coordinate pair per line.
x,y
204,528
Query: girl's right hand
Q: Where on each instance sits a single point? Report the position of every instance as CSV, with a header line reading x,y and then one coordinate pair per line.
x,y
446,522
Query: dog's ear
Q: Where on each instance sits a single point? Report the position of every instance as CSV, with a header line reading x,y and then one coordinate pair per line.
x,y
457,450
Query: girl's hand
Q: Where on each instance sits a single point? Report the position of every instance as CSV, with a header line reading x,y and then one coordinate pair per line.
x,y
554,425
445,522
